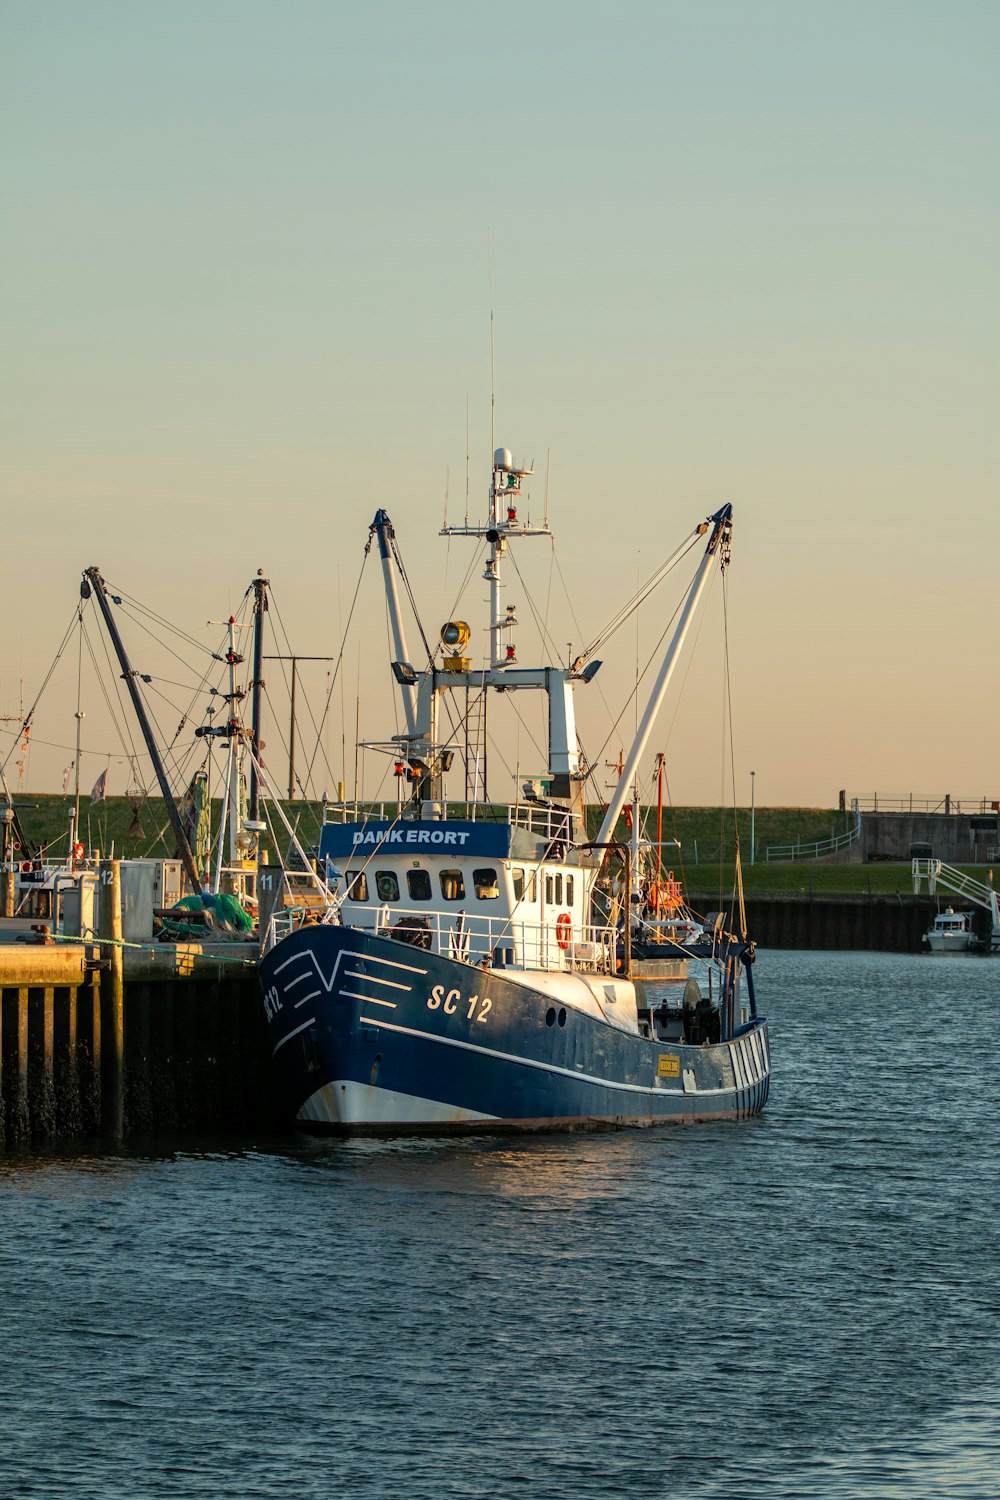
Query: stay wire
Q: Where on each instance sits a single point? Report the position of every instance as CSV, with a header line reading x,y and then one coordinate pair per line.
x,y
285,641
738,873
641,594
26,722
159,619
337,667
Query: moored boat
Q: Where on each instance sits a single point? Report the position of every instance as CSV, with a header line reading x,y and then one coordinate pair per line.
x,y
951,932
500,969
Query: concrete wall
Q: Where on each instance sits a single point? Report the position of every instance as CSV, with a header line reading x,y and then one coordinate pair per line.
x,y
889,836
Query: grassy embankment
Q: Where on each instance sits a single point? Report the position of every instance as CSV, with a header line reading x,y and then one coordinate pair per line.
x,y
703,861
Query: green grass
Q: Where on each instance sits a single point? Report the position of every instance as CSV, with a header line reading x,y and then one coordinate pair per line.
x,y
704,834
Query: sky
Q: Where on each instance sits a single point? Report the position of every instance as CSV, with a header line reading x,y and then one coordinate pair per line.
x,y
740,252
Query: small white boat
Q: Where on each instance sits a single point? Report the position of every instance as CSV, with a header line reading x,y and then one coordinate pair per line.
x,y
951,932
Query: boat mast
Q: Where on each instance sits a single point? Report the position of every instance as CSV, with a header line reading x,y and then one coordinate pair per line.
x,y
716,551
232,798
257,689
92,576
659,832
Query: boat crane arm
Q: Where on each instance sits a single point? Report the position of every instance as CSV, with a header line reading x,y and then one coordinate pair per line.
x,y
382,527
716,551
95,584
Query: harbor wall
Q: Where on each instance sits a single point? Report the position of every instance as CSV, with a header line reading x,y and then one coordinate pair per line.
x,y
955,838
175,1052
887,924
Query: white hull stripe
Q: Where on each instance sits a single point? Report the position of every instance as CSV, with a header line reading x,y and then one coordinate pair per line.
x,y
371,958
287,1038
312,995
372,979
525,1062
368,999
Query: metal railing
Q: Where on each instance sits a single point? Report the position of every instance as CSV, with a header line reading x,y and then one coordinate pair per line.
x,y
546,822
502,942
820,847
970,806
936,873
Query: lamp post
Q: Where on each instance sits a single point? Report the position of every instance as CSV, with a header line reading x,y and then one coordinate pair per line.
x,y
753,775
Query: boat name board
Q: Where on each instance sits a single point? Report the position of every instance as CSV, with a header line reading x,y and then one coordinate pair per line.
x,y
340,839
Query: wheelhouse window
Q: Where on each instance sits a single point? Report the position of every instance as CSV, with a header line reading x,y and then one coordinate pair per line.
x,y
517,877
548,890
452,885
569,890
533,886
486,885
387,885
418,883
357,885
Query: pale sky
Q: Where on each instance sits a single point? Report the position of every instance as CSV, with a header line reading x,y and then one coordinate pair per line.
x,y
741,252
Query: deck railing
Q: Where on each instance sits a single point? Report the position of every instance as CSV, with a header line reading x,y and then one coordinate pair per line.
x,y
501,942
497,942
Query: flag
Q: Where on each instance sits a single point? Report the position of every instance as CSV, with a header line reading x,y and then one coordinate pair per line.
x,y
66,776
100,788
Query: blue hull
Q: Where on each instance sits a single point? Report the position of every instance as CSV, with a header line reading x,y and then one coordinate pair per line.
x,y
370,1034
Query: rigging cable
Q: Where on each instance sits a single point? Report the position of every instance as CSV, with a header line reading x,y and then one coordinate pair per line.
x,y
337,666
738,874
26,723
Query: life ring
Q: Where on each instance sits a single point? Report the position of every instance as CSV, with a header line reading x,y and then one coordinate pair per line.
x,y
564,930
78,851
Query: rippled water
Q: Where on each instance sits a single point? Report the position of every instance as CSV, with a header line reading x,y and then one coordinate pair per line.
x,y
805,1304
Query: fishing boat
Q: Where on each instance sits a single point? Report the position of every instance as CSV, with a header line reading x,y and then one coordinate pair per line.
x,y
499,969
951,932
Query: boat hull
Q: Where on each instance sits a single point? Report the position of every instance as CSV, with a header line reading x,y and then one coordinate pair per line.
x,y
949,942
369,1034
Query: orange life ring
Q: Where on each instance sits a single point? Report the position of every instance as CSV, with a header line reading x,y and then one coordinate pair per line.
x,y
564,930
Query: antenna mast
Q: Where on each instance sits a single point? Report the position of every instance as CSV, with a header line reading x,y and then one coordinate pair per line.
x,y
493,378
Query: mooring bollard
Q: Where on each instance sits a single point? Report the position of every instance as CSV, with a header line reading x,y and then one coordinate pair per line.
x,y
112,999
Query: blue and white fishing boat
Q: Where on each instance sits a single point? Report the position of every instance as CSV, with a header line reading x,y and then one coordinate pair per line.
x,y
500,970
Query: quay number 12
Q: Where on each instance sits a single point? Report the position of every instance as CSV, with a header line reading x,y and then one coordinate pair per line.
x,y
449,1003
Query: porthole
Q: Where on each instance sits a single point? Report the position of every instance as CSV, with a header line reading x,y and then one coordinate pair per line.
x,y
550,1017
562,1015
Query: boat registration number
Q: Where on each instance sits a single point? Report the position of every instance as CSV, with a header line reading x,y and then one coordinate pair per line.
x,y
668,1066
450,1001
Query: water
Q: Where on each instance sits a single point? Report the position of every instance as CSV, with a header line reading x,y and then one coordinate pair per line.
x,y
801,1305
